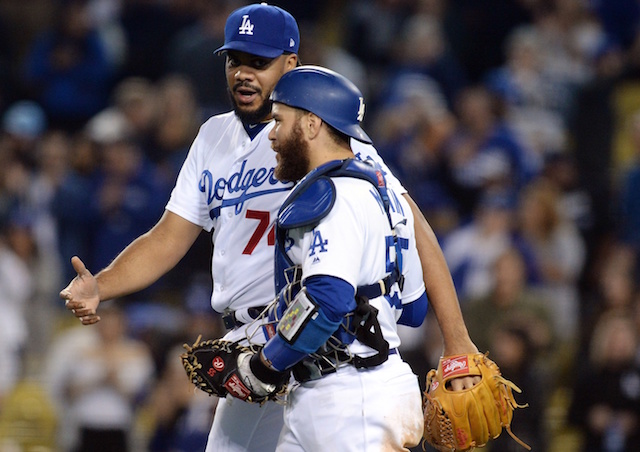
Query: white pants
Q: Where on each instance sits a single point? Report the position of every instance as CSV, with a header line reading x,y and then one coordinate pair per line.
x,y
245,427
366,410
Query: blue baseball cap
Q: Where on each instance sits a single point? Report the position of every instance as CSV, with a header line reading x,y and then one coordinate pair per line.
x,y
260,29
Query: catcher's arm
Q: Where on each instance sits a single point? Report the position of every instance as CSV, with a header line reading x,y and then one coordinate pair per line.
x,y
442,294
261,373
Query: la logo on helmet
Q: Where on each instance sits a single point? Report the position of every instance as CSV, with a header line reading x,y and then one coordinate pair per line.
x,y
361,110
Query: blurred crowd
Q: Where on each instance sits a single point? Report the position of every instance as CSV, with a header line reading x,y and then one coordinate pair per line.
x,y
514,124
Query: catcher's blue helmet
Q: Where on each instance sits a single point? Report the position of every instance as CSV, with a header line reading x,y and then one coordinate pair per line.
x,y
325,93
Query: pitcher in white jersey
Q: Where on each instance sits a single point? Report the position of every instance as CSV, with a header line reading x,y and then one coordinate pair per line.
x,y
227,185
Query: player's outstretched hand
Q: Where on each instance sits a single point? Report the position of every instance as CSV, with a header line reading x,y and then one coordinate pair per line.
x,y
81,295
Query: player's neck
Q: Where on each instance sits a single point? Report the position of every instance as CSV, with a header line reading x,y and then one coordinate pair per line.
x,y
320,157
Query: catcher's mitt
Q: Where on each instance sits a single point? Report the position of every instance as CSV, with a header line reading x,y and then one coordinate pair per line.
x,y
220,367
462,420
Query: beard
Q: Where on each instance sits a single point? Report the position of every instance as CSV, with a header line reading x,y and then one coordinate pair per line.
x,y
250,117
293,154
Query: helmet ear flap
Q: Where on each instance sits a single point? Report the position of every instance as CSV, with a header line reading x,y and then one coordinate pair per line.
x,y
327,94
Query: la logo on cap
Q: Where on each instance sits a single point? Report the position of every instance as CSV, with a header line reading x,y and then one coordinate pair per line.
x,y
276,32
246,28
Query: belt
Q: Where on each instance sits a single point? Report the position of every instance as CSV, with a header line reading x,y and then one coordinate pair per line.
x,y
240,317
313,369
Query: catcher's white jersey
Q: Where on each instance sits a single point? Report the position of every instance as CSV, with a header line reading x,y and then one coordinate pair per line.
x,y
227,184
354,243
383,404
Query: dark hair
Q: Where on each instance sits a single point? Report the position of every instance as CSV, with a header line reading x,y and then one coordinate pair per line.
x,y
337,136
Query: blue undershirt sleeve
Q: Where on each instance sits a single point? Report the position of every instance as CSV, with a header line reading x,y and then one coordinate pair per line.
x,y
414,313
334,298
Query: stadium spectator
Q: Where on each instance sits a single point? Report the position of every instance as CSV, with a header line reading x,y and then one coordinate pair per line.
x,y
484,151
102,395
16,282
67,68
609,412
472,248
189,54
511,302
411,130
628,220
558,254
519,357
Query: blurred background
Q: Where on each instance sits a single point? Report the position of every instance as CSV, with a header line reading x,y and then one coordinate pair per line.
x,y
514,124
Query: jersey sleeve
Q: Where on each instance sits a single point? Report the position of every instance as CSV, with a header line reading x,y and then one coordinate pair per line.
x,y
187,199
364,151
412,267
414,313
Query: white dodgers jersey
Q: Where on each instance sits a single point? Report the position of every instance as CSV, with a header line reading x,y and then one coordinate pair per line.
x,y
354,242
227,185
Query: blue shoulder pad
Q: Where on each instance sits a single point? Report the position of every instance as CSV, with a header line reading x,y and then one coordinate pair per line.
x,y
311,204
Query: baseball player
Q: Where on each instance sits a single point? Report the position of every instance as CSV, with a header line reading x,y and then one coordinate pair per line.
x,y
227,185
348,239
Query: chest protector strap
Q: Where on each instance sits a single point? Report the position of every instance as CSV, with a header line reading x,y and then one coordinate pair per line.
x,y
368,332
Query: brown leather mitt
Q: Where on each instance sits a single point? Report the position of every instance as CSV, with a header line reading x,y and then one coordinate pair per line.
x,y
462,420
